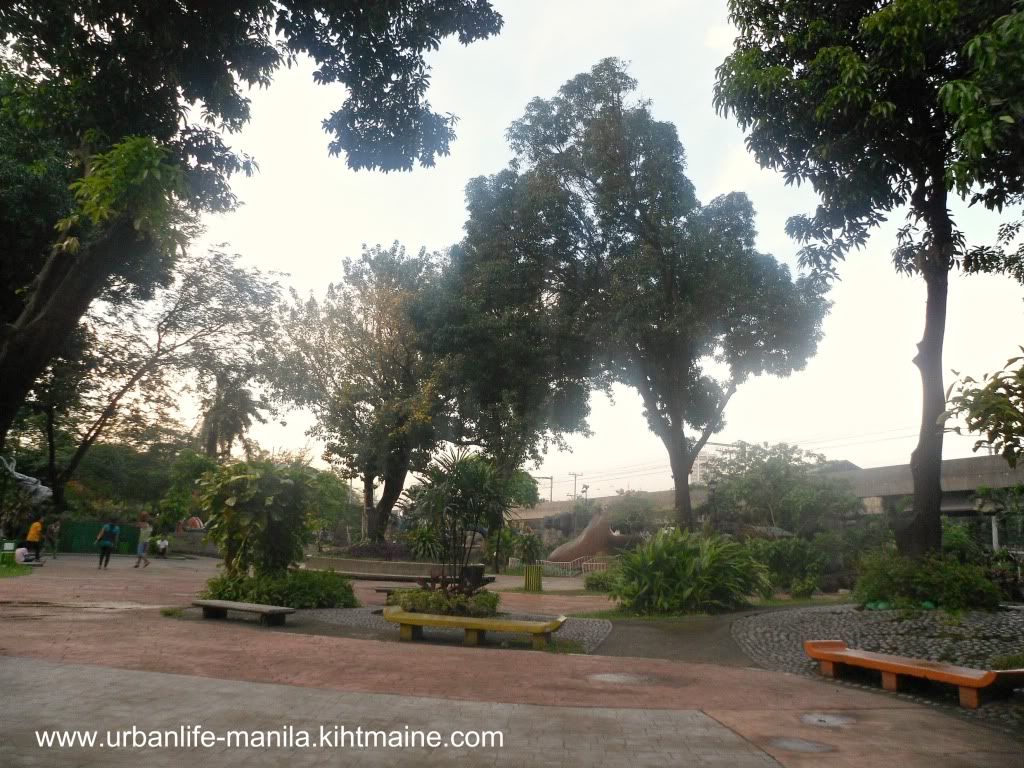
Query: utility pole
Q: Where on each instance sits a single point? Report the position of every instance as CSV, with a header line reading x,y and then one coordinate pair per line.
x,y
575,476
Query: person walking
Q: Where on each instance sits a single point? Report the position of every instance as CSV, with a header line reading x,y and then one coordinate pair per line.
x,y
145,531
107,538
52,536
35,538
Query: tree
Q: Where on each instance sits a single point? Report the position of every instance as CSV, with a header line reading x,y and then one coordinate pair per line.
x,y
133,98
506,320
354,359
125,378
883,105
674,291
229,409
462,495
780,486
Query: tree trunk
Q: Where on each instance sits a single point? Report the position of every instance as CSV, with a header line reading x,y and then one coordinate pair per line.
x,y
923,532
61,294
680,461
367,503
394,482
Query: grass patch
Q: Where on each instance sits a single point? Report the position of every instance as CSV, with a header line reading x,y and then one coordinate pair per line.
x,y
14,569
565,646
785,602
1008,661
172,613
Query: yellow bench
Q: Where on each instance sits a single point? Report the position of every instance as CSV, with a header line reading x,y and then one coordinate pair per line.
x,y
410,626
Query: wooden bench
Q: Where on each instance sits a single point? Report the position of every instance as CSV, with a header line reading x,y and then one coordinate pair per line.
x,y
833,655
270,615
411,626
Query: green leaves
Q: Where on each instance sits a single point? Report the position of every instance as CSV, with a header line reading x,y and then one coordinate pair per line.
x,y
680,572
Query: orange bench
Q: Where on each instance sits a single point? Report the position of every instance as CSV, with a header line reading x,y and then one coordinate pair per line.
x,y
833,655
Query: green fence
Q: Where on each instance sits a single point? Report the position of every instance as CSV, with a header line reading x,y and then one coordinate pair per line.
x,y
80,536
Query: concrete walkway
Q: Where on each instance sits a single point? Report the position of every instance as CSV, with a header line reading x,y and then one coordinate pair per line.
x,y
91,655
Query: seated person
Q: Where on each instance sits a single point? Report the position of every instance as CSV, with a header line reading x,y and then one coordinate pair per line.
x,y
21,555
161,546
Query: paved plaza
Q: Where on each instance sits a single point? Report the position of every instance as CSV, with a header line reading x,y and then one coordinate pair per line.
x,y
89,650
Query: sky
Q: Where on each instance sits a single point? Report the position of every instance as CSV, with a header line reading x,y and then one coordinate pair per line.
x,y
857,399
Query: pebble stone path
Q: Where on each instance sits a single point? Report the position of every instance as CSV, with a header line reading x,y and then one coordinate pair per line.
x,y
774,640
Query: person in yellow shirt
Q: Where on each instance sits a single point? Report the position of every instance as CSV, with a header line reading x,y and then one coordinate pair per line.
x,y
35,538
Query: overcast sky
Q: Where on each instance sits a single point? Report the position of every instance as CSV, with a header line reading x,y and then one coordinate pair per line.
x,y
858,399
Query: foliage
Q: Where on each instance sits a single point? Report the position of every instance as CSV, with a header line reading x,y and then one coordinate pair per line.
x,y
881,106
444,603
994,407
634,512
8,570
257,513
424,543
792,563
354,359
124,378
662,284
906,582
681,572
528,547
98,91
461,496
958,543
601,581
777,485
805,587
291,588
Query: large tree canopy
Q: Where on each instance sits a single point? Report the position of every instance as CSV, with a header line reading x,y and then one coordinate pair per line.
x,y
672,295
133,99
882,105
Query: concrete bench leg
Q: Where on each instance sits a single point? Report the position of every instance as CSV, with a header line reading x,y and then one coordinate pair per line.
x,y
474,637
272,619
209,612
541,641
970,698
890,681
409,632
828,669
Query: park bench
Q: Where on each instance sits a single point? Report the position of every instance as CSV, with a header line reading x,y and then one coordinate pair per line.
x,y
833,655
270,615
411,626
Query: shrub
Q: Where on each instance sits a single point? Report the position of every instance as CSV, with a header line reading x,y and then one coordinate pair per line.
x,y
528,547
680,572
940,579
958,542
437,601
790,562
424,543
600,581
804,587
294,589
258,515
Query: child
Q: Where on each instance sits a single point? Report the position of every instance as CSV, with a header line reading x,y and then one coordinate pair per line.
x,y
161,546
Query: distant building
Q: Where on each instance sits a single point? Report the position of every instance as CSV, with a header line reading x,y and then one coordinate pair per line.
x,y
698,473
